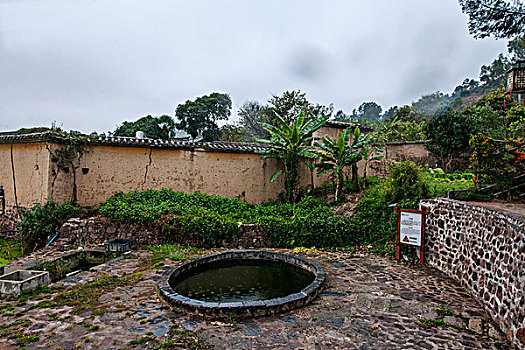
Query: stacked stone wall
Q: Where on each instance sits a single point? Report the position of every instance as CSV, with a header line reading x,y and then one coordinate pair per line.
x,y
96,231
484,249
8,222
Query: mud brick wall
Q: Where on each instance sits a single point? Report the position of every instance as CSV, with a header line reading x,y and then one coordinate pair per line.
x,y
96,231
484,249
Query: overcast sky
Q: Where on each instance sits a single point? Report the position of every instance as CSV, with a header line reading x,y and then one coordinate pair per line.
x,y
91,64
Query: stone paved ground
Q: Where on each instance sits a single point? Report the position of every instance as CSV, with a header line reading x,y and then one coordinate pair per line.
x,y
370,302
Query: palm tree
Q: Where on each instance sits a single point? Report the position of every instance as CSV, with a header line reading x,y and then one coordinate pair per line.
x,y
336,155
290,143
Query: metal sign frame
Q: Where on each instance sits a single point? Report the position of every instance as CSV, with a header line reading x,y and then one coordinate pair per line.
x,y
399,242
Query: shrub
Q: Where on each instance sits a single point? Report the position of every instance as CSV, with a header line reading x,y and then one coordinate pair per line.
x,y
407,181
40,222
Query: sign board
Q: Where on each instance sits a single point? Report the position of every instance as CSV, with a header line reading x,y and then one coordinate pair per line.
x,y
410,228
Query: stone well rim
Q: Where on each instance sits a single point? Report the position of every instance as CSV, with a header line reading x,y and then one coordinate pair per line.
x,y
244,308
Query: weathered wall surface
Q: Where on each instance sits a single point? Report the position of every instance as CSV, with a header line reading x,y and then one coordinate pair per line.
x,y
31,163
399,152
110,169
484,249
60,180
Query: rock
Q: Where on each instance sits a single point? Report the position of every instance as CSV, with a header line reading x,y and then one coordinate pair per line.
x,y
475,325
520,335
455,321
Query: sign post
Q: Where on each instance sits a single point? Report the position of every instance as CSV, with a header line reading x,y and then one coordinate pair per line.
x,y
411,230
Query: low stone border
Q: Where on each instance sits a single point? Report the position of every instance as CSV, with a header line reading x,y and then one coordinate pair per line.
x,y
244,309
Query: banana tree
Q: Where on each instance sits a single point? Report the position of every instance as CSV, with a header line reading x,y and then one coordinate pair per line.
x,y
291,143
337,154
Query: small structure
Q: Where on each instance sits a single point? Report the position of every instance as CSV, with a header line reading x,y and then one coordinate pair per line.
x,y
120,245
16,282
516,79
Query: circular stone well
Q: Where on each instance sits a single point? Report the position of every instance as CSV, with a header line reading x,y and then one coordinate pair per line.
x,y
248,308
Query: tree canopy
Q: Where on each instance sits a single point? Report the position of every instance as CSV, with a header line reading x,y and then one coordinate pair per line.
x,y
516,48
252,114
493,76
498,18
447,134
291,103
153,127
201,116
368,111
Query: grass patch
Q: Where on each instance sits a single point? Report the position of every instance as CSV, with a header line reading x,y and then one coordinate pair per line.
x,y
84,298
170,251
16,331
442,311
9,251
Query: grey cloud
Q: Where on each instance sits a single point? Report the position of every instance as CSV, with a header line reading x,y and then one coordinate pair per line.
x,y
422,79
92,64
308,63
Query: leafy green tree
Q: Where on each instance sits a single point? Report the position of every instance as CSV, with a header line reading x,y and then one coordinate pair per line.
x,y
291,104
389,113
252,114
516,116
431,105
404,114
369,111
407,182
232,133
153,127
201,116
290,143
498,18
516,48
336,155
447,135
467,87
341,116
489,115
494,76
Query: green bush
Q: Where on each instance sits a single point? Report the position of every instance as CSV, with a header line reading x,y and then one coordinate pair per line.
x,y
42,221
375,218
407,181
204,220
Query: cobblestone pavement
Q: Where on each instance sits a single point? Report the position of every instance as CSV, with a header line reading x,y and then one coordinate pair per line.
x,y
370,302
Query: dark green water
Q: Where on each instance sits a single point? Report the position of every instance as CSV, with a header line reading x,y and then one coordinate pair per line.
x,y
243,280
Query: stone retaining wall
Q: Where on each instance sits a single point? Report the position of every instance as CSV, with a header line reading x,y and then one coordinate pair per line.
x,y
8,222
96,231
484,249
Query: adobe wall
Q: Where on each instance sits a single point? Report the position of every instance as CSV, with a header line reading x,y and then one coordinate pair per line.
x,y
484,249
31,163
111,168
399,152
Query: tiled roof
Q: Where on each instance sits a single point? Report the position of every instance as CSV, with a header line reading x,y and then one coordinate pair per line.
x,y
344,125
218,146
